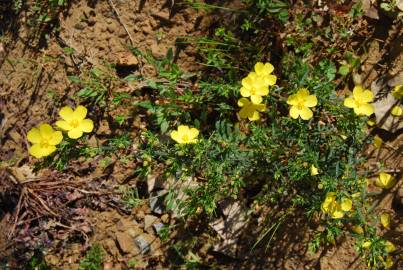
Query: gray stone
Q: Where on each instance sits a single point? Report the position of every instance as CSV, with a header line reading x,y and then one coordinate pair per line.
x,y
157,201
158,227
142,244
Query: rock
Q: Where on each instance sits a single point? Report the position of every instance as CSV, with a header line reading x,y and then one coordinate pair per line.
x,y
147,29
158,227
110,246
108,266
110,29
157,201
399,4
229,227
127,59
125,242
79,26
149,220
157,51
143,244
383,106
165,218
124,224
133,232
154,182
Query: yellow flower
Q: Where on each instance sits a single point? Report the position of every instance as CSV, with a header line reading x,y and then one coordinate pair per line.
x,y
74,121
44,140
397,92
314,170
346,204
185,135
367,244
300,104
377,141
360,101
384,180
250,110
390,247
389,262
358,229
385,220
397,111
371,122
264,71
255,87
331,206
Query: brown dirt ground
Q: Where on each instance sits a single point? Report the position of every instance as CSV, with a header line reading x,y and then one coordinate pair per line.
x,y
32,84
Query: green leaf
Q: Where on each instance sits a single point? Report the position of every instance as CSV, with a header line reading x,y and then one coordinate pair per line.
x,y
74,79
344,70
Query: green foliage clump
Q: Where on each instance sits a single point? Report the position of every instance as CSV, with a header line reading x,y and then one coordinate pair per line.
x,y
93,259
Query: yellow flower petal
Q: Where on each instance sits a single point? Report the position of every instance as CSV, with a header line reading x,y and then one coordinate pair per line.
x,y
358,229
256,99
66,113
86,125
34,135
244,112
371,122
75,133
349,103
346,204
397,92
49,150
311,101
294,112
262,91
384,180
314,170
182,129
260,107
64,125
36,151
270,79
306,113
46,131
337,214
390,247
193,133
245,92
366,244
385,220
247,82
175,136
292,100
56,138
366,96
357,92
397,111
388,262
263,69
377,141
243,101
80,113
364,109
303,93
255,116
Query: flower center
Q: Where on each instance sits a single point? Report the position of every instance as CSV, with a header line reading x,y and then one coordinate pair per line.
x,y
185,138
44,143
74,123
300,105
